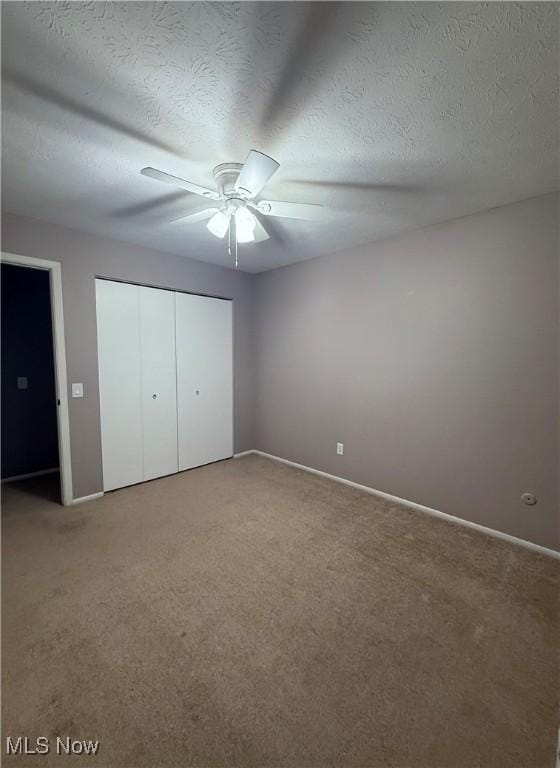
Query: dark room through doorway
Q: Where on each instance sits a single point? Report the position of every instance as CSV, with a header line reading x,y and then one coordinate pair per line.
x,y
29,428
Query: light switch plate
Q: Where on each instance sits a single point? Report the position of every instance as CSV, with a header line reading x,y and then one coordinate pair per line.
x,y
77,390
22,382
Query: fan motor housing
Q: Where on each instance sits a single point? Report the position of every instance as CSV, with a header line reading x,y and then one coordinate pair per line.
x,y
225,176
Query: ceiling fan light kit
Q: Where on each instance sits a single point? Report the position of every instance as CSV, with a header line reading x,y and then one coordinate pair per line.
x,y
237,187
219,224
245,224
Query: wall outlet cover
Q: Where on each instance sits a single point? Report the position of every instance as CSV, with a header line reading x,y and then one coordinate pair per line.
x,y
22,382
340,449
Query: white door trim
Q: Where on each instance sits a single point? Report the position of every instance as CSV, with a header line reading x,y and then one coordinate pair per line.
x,y
91,497
54,269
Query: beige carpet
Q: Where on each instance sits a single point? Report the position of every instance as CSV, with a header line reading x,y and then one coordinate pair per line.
x,y
249,614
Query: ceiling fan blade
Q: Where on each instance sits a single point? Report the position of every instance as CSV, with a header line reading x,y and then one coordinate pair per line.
x,y
260,232
192,218
167,178
305,211
256,171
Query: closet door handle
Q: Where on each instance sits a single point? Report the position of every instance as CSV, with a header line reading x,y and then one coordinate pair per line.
x,y
154,396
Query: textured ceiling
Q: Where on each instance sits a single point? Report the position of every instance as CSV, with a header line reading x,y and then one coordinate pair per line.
x,y
409,113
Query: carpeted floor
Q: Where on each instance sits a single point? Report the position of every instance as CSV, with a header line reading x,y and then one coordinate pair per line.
x,y
249,614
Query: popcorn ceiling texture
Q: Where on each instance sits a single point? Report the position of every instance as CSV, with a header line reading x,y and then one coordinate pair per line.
x,y
449,108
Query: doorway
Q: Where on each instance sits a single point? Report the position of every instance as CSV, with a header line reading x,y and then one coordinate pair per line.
x,y
35,455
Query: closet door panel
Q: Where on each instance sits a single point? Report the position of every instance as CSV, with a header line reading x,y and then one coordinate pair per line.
x,y
118,345
159,384
204,379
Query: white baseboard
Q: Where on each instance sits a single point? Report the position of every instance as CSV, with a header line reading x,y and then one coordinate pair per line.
x,y
244,453
413,505
91,497
30,474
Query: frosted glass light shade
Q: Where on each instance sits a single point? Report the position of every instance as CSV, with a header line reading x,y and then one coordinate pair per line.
x,y
219,224
245,224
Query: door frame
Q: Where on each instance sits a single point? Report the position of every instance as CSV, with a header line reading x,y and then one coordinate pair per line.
x,y
54,268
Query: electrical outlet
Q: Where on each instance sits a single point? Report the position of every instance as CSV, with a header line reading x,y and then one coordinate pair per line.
x,y
340,449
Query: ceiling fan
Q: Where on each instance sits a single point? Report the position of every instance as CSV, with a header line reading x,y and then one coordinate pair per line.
x,y
235,205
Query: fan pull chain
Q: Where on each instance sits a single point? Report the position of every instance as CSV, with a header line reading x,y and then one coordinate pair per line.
x,y
233,233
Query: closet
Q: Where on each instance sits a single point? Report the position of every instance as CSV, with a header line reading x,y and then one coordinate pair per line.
x,y
165,381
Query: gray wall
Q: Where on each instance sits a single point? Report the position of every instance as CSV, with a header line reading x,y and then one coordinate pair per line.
x,y
85,256
433,357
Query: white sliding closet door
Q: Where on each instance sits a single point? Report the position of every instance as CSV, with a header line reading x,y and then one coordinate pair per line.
x,y
118,344
204,379
159,384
